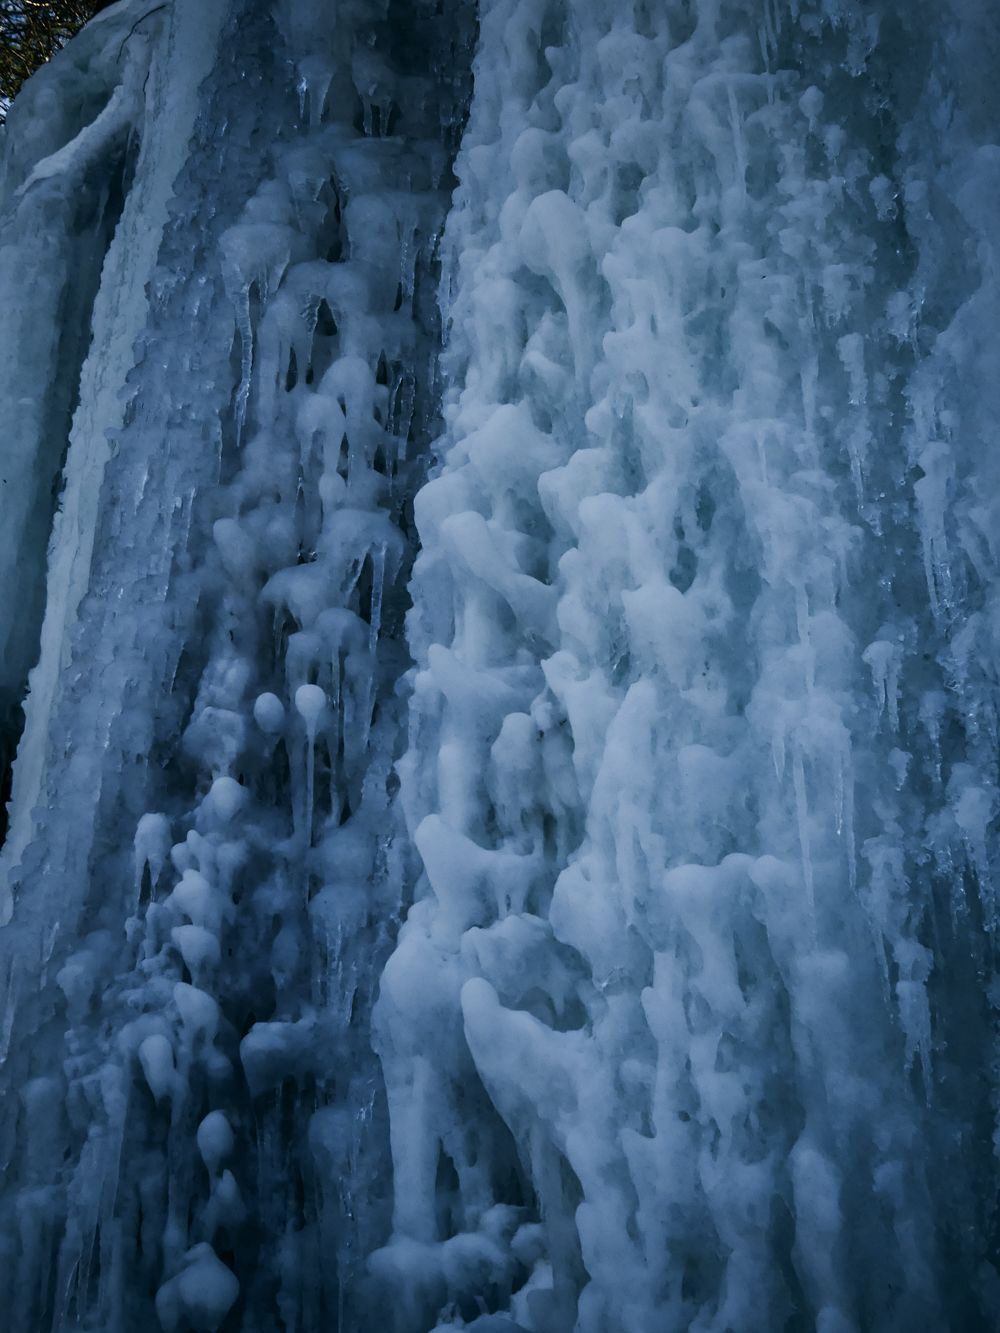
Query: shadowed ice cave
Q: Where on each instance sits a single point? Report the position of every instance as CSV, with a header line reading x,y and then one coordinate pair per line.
x,y
499,537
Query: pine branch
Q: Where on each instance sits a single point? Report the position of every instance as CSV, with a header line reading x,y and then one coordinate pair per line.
x,y
31,31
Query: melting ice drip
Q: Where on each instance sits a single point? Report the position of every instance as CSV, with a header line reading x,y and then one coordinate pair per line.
x,y
690,1023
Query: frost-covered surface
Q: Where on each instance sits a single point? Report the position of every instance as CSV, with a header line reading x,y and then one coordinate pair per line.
x,y
692,1022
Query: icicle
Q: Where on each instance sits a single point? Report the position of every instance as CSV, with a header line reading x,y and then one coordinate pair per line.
x,y
778,746
377,557
975,807
805,639
932,709
914,963
10,1003
315,77
739,142
310,703
408,255
802,819
845,809
883,659
151,849
931,492
401,407
245,329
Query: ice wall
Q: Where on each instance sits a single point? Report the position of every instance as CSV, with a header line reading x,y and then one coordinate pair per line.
x,y
503,836
689,1028
201,854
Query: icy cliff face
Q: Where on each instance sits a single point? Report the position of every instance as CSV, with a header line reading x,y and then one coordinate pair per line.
x,y
503,834
703,740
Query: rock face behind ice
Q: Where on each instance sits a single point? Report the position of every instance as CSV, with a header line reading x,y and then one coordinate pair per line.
x,y
504,833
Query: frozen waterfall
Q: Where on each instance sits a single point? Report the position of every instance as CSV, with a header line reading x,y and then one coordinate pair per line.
x,y
501,623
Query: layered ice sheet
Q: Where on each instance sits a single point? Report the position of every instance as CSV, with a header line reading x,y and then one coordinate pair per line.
x,y
504,832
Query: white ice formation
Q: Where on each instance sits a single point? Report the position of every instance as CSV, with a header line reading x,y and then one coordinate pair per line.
x,y
504,830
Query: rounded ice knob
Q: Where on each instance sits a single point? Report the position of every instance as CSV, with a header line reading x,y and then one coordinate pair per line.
x,y
226,798
215,1139
269,713
201,1294
310,702
157,1059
